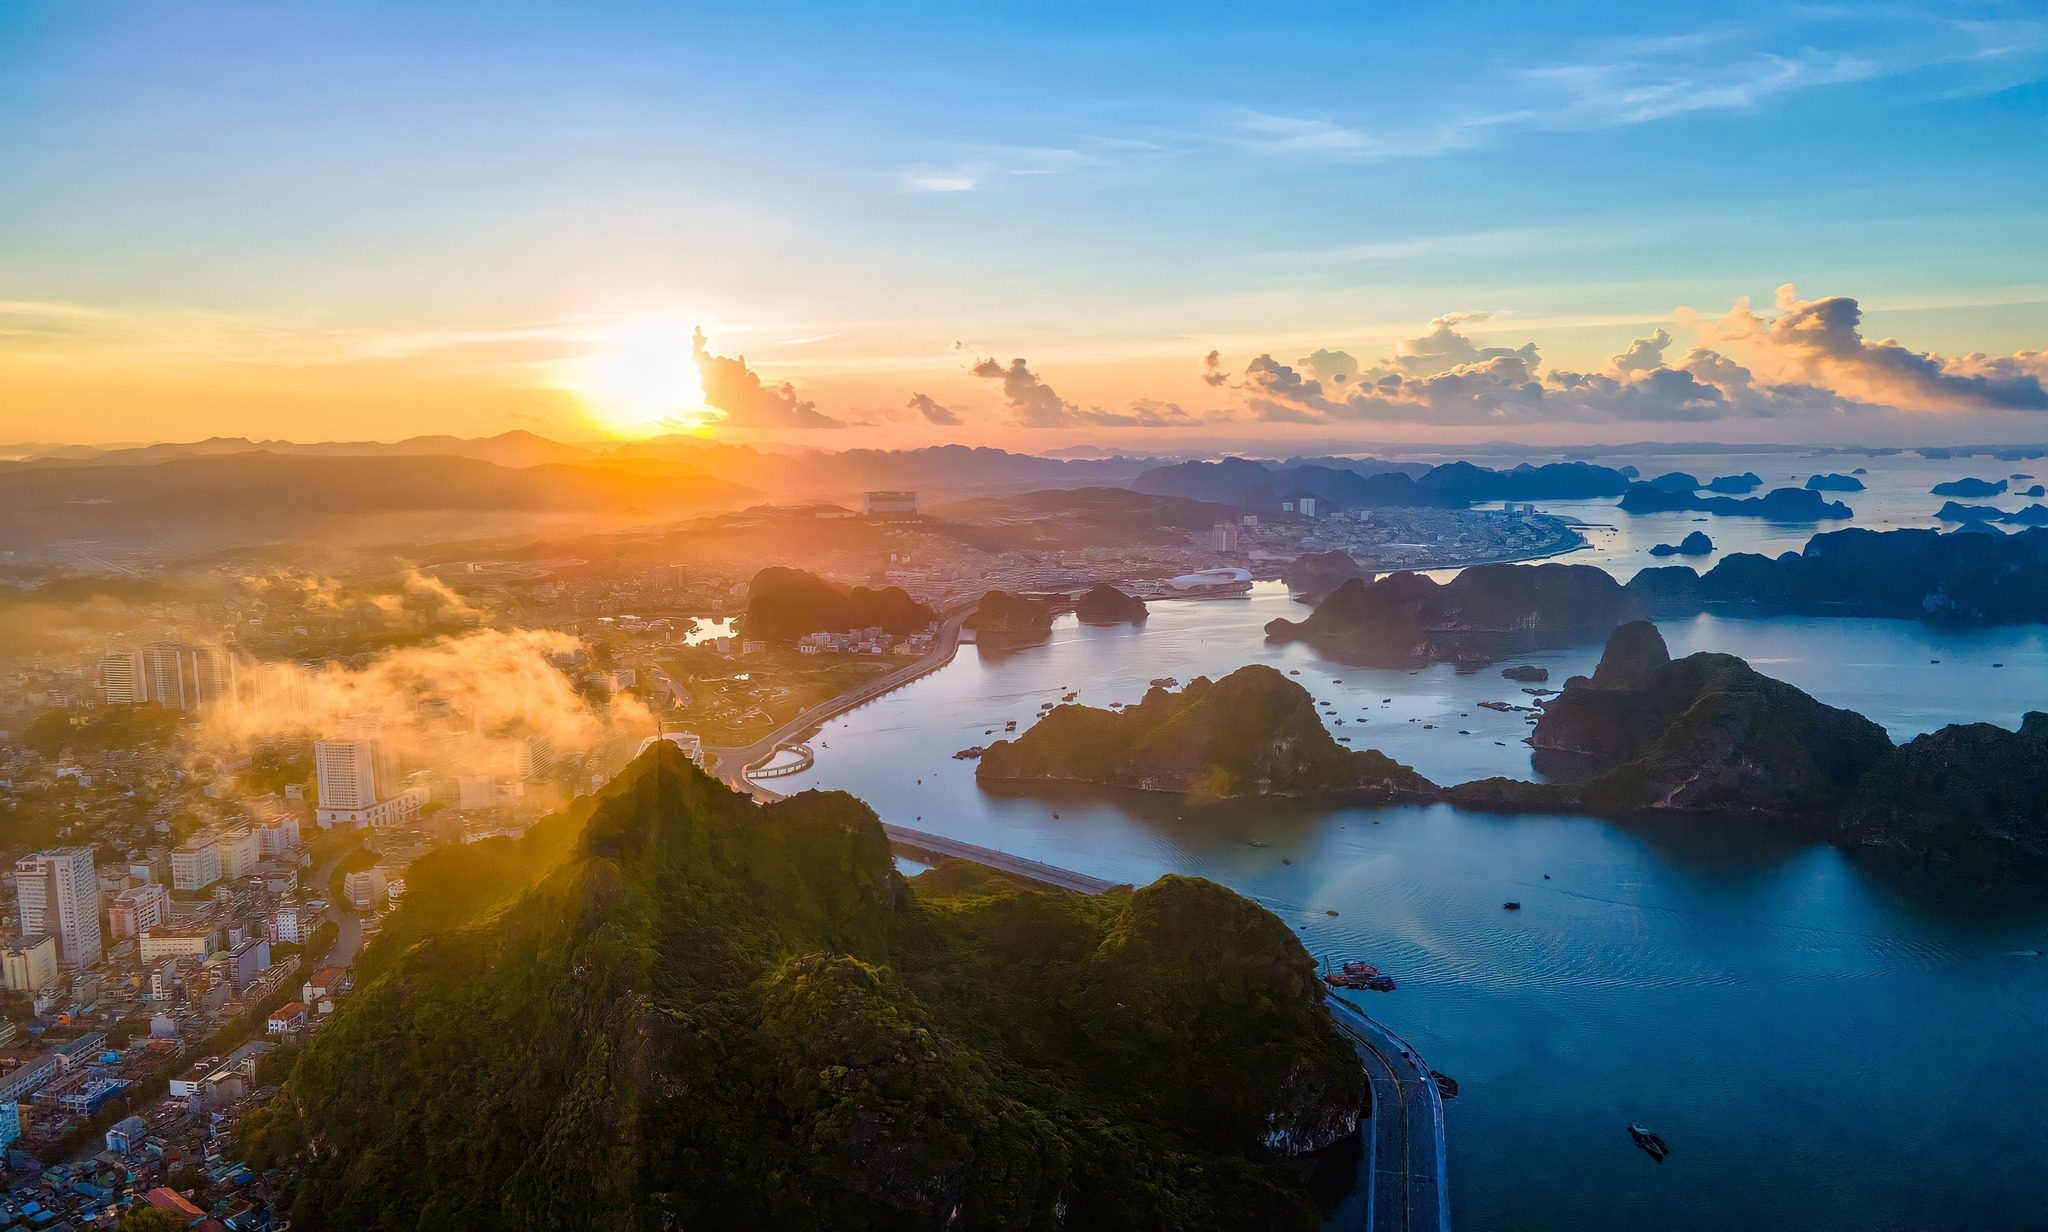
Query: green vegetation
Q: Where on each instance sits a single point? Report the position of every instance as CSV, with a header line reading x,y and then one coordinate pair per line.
x,y
1482,613
149,1219
1252,733
671,1008
1005,614
1970,788
784,604
100,730
1704,733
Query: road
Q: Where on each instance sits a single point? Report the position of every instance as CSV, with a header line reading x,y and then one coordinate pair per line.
x,y
348,925
1407,1167
732,764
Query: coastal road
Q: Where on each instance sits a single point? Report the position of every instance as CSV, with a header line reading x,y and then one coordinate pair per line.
x,y
732,764
1407,1157
348,937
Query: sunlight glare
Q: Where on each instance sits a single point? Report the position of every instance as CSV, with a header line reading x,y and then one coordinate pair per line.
x,y
639,379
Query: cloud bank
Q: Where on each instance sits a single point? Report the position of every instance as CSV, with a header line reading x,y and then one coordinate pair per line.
x,y
1808,358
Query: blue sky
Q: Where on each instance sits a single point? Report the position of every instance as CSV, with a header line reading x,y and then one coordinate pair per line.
x,y
436,205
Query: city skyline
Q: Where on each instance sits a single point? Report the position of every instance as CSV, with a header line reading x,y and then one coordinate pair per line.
x,y
240,221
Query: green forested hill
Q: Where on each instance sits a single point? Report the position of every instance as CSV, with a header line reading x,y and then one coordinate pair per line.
x,y
674,1009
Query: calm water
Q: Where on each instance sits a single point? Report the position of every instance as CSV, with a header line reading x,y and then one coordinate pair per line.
x,y
1826,1042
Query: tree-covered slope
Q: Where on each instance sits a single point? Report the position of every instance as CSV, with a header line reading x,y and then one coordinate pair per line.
x,y
783,604
1252,733
675,1009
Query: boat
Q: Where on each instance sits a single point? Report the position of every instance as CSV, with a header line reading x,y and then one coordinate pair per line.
x,y
1010,726
1653,1145
1164,682
1511,906
1356,975
1446,1085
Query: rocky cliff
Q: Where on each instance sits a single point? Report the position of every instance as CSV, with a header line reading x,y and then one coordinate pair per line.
x,y
1967,789
1313,575
1106,605
1252,733
1704,733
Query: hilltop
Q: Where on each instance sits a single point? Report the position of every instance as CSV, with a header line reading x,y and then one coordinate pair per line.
x,y
674,1008
787,603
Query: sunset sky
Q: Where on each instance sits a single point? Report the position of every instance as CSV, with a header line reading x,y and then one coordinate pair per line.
x,y
1025,225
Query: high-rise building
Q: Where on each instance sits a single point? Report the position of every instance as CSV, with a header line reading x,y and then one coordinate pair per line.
x,y
57,893
1223,537
185,677
358,783
889,504
136,910
122,681
276,836
536,756
346,774
29,965
195,863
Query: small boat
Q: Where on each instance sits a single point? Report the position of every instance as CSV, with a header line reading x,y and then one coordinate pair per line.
x,y
1653,1145
1331,914
1359,975
1446,1085
1010,726
1511,906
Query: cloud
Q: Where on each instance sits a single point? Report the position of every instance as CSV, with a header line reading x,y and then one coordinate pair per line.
x,y
732,387
933,412
1820,342
1327,365
466,702
1809,359
1212,369
1643,354
1035,404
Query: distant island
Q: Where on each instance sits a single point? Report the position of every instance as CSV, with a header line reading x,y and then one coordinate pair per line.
x,y
1106,605
1695,544
1351,483
1834,483
1779,504
1899,574
784,604
674,1008
2032,515
1709,734
1484,613
1735,485
1252,733
1313,575
1969,487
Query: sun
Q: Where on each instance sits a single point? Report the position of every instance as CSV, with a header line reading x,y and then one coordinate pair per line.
x,y
639,379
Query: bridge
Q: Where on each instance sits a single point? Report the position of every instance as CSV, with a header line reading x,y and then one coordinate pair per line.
x,y
931,848
1406,1164
806,757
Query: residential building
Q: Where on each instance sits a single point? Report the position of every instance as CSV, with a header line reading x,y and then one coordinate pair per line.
x,y
136,910
122,682
193,942
195,863
239,852
286,1019
17,1087
185,677
277,836
30,965
1225,538
352,776
57,893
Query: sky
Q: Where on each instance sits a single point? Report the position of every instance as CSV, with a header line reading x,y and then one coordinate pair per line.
x,y
1038,226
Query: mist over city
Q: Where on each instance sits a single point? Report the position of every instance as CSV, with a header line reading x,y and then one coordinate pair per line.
x,y
642,616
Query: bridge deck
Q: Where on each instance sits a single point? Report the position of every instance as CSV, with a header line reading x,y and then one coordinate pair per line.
x,y
919,845
1408,1168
